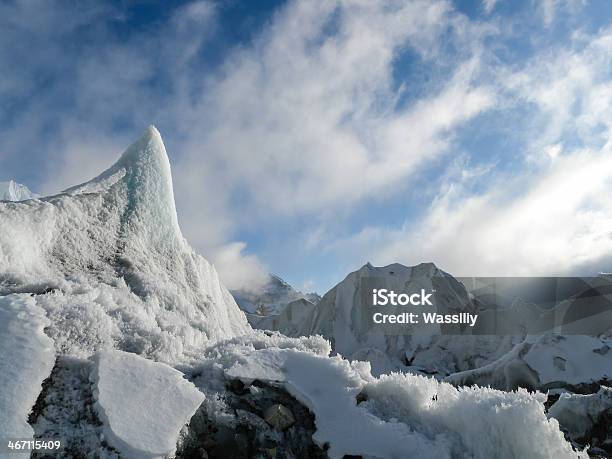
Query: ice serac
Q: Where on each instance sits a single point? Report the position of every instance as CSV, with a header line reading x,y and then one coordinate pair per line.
x,y
290,319
13,191
118,271
144,172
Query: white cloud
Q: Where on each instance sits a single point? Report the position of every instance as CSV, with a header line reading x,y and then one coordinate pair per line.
x,y
562,222
572,91
551,216
307,122
551,8
237,269
548,10
489,5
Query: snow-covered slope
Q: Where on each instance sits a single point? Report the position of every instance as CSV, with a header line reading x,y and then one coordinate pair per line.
x,y
116,270
271,298
13,191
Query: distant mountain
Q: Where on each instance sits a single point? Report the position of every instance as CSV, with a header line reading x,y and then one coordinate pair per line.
x,y
13,191
272,298
343,315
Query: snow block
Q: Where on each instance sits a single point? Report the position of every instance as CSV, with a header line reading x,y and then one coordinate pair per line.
x,y
143,404
26,359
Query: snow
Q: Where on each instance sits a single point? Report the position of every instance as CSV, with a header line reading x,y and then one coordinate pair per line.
x,y
13,191
26,359
571,359
479,422
113,252
343,317
143,404
543,362
579,413
404,415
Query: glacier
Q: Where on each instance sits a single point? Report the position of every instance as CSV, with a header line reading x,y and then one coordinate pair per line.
x,y
105,307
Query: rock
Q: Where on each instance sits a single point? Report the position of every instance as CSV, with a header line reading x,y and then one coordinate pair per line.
x,y
279,416
237,387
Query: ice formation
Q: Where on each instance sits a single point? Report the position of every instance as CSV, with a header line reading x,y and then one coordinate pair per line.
x,y
26,359
109,253
13,191
579,414
403,415
343,313
143,404
289,320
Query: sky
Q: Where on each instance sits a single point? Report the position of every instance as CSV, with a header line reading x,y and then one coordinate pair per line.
x,y
310,137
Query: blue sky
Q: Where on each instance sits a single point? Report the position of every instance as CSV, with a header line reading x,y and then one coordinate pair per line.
x,y
308,138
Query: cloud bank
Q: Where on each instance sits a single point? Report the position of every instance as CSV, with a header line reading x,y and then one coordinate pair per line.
x,y
471,151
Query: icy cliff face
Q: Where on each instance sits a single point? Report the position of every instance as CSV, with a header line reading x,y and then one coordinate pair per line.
x,y
13,191
113,265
